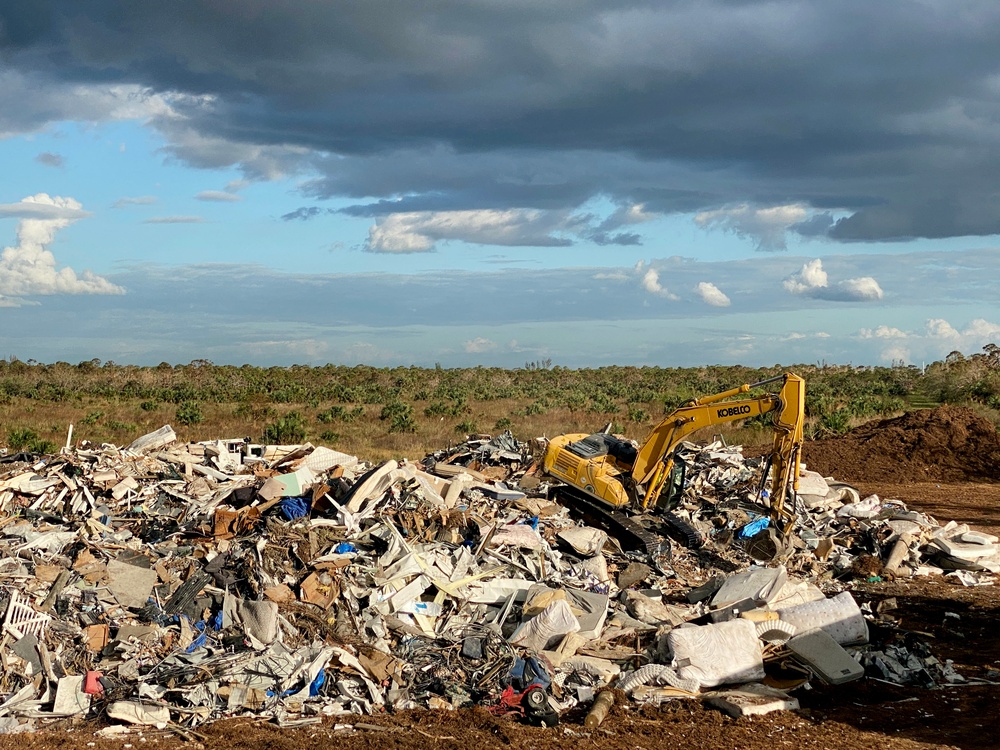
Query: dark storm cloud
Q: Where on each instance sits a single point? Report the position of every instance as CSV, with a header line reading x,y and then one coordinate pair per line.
x,y
885,111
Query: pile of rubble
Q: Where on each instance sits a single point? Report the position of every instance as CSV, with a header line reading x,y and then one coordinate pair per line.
x,y
167,584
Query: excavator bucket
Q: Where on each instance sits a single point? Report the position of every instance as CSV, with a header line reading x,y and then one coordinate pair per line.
x,y
766,545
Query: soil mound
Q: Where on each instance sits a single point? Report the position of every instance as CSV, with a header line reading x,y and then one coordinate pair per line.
x,y
949,444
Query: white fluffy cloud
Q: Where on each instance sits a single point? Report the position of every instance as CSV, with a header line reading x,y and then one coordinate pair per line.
x,y
418,231
479,345
611,276
651,283
938,328
812,281
983,330
765,226
812,276
711,294
883,332
28,268
936,340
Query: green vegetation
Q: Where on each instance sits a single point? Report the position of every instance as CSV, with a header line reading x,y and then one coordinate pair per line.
x,y
189,413
287,430
23,439
404,411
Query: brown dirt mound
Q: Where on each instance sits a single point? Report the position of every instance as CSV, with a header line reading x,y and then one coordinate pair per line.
x,y
950,443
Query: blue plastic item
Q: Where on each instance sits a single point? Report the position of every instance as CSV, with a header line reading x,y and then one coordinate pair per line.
x,y
295,507
753,528
317,683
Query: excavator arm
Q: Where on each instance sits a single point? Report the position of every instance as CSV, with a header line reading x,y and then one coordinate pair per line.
x,y
654,463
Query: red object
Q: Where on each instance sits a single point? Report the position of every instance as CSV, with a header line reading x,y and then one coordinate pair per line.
x,y
510,703
92,684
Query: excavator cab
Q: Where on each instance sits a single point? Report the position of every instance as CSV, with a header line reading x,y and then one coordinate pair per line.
x,y
603,444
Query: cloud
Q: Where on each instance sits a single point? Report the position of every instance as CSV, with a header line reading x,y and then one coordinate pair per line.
x,y
938,328
865,288
31,98
218,196
983,331
651,283
682,107
174,220
894,354
417,232
883,332
765,226
28,268
304,213
812,281
937,339
50,159
177,313
307,349
711,294
43,207
139,200
479,345
624,215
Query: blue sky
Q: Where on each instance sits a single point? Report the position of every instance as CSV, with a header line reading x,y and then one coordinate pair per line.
x,y
496,182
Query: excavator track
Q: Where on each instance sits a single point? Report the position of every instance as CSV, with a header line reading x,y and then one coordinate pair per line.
x,y
683,532
631,534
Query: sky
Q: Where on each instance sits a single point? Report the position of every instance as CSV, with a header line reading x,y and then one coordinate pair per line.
x,y
499,182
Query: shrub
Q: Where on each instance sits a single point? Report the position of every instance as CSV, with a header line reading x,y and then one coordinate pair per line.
x,y
399,415
92,418
602,404
23,439
254,412
637,414
189,413
20,438
536,407
468,427
288,429
503,424
340,413
148,406
837,422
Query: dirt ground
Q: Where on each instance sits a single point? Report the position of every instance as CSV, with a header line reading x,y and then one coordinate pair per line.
x,y
945,462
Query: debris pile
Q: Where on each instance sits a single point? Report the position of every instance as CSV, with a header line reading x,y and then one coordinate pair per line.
x,y
168,584
868,537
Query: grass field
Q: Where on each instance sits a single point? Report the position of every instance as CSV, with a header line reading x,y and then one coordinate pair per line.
x,y
406,412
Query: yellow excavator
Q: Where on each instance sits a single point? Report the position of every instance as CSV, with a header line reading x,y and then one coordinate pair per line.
x,y
619,476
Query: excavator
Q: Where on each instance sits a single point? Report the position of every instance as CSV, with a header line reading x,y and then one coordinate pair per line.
x,y
606,475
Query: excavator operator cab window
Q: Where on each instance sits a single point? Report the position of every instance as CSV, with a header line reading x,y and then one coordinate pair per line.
x,y
602,444
675,485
